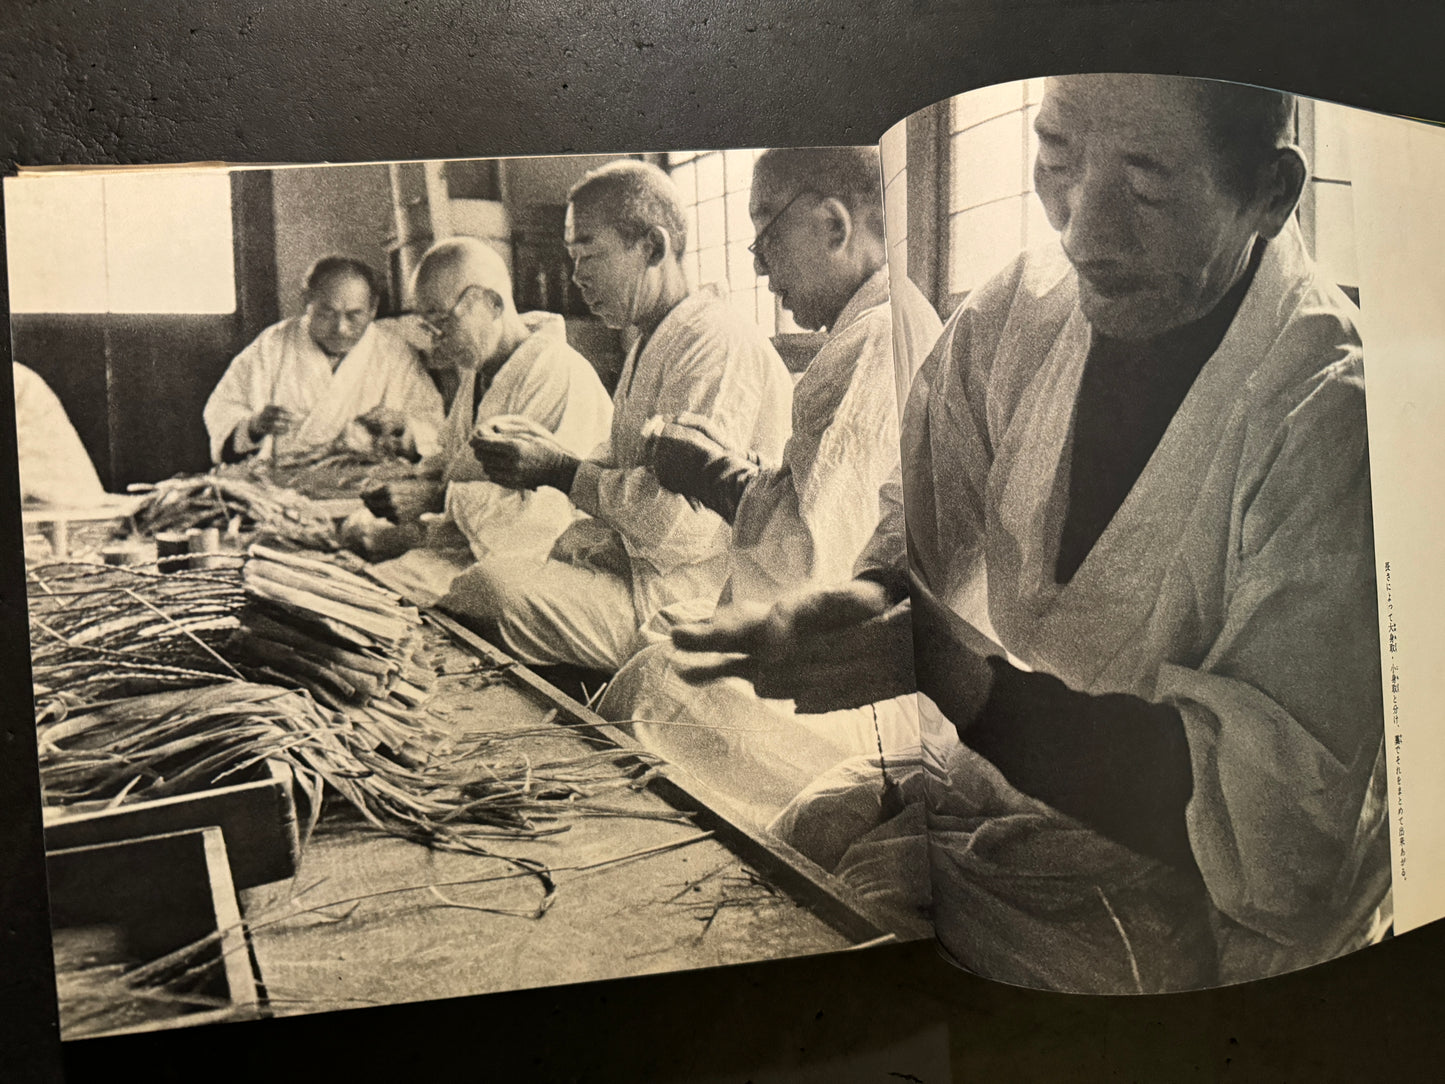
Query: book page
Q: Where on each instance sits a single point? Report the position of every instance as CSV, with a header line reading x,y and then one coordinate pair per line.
x,y
1137,462
1400,231
361,503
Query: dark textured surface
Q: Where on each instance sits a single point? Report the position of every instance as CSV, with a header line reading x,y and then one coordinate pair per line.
x,y
306,80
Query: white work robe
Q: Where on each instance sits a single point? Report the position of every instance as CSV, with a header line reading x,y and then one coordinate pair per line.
x,y
54,467
546,380
807,520
642,547
703,359
1236,583
285,367
803,522
543,379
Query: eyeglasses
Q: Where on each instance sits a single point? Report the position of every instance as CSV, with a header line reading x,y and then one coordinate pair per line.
x,y
437,326
768,229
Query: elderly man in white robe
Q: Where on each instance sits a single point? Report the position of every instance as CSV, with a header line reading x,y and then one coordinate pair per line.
x,y
1148,444
503,369
818,214
331,376
641,547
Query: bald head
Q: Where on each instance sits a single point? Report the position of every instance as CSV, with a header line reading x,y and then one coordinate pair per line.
x,y
634,198
817,217
457,263
464,292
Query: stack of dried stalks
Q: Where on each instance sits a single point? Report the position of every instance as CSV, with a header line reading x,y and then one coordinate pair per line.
x,y
228,498
149,684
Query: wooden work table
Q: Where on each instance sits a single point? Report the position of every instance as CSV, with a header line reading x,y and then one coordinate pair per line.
x,y
710,892
665,878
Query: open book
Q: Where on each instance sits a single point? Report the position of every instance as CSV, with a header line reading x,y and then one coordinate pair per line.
x,y
989,536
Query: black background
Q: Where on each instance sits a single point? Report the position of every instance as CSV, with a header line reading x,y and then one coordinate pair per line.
x,y
330,80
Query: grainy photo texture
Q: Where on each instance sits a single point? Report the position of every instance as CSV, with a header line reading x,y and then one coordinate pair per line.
x,y
397,539
1136,465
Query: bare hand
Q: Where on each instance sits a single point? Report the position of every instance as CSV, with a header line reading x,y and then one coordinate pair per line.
x,y
418,334
405,500
518,452
271,419
826,650
387,428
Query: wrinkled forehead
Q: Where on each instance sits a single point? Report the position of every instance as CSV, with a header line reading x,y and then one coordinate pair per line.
x,y
1149,116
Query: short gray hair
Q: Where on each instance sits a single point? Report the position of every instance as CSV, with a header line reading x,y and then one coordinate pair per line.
x,y
851,175
633,197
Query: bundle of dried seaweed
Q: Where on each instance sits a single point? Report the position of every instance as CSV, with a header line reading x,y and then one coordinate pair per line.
x,y
184,739
352,644
99,632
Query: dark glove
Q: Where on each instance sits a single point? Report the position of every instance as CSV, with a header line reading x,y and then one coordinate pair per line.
x,y
688,461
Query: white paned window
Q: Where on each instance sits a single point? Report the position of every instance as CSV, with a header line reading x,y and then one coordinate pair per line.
x,y
1327,210
129,243
715,186
992,213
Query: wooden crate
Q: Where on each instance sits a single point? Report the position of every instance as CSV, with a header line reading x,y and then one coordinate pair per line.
x,y
142,900
257,818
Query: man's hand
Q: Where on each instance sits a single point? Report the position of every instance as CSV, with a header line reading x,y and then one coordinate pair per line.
x,y
688,458
387,428
826,650
417,333
376,540
271,419
517,452
405,500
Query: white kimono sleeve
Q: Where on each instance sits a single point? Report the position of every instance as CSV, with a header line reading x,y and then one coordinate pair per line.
x,y
497,520
810,519
656,524
1284,717
244,388
54,466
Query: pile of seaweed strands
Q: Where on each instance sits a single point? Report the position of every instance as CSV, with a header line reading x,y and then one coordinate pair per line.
x,y
329,471
232,499
150,684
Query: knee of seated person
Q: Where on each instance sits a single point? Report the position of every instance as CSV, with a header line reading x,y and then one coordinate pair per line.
x,y
480,596
638,676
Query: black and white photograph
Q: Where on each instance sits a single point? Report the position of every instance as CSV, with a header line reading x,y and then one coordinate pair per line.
x,y
397,536
450,577
1140,592
1139,519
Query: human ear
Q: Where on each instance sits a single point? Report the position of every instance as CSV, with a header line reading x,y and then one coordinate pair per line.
x,y
1281,186
659,245
837,222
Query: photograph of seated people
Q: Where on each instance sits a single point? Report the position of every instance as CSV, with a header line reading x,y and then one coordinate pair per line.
x,y
1142,583
818,216
333,374
640,547
498,367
